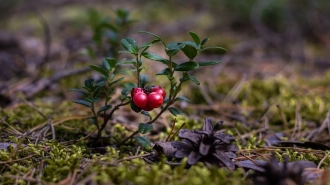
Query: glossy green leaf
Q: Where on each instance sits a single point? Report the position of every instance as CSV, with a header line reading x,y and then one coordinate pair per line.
x,y
96,90
130,84
148,44
174,111
155,57
193,79
182,98
123,51
92,119
123,97
78,90
186,66
195,37
83,102
143,141
130,45
89,83
153,35
111,61
144,128
143,80
116,81
134,107
204,41
146,113
166,100
213,47
124,71
101,83
104,108
190,51
106,64
208,63
165,71
93,100
128,87
133,62
173,48
100,70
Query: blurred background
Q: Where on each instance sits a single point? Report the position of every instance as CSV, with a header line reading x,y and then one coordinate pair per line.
x,y
48,45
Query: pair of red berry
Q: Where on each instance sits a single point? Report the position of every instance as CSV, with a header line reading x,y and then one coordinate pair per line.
x,y
148,98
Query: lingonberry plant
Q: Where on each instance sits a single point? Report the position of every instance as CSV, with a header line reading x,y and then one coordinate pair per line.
x,y
142,97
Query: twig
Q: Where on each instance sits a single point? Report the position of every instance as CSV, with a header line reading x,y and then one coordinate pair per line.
x,y
323,159
24,178
35,108
52,127
177,131
172,128
285,122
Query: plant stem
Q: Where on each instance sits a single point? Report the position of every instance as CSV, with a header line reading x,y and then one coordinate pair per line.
x,y
169,103
108,117
137,70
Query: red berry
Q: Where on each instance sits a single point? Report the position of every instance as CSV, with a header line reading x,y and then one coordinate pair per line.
x,y
160,90
136,90
147,108
155,100
140,99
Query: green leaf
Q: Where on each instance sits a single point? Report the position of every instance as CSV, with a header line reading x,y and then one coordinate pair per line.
x,y
143,141
123,71
190,50
208,63
186,66
165,71
123,97
145,128
182,98
116,81
133,62
89,83
154,36
93,100
111,61
92,119
213,47
104,108
122,51
106,64
143,80
173,48
195,37
101,83
174,111
96,90
128,87
100,70
78,90
155,57
84,103
204,41
166,100
148,44
130,45
193,79
146,113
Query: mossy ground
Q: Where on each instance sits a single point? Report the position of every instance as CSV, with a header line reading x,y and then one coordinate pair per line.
x,y
40,160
